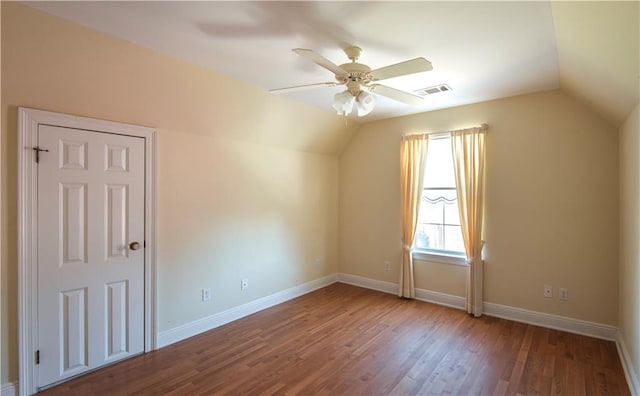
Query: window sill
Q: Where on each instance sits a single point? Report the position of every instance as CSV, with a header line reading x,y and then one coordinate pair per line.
x,y
439,258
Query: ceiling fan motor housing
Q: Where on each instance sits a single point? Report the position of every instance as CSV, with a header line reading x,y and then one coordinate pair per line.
x,y
357,74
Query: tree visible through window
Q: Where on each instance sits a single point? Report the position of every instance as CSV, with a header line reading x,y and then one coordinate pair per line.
x,y
438,229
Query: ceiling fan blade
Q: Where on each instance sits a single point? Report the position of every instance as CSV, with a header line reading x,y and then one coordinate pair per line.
x,y
416,65
396,94
320,60
301,87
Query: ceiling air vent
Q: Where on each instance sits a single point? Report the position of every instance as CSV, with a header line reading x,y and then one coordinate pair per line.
x,y
432,90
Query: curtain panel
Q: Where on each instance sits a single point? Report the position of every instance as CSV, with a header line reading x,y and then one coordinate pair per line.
x,y
413,153
468,147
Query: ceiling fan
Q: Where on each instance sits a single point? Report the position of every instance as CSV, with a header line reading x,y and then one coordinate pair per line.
x,y
361,81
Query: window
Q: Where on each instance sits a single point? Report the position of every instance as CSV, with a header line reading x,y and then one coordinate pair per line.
x,y
438,231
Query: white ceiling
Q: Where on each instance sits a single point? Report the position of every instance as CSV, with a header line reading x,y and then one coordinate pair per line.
x,y
482,50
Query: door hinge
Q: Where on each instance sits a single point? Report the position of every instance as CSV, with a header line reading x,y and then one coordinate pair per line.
x,y
38,357
37,149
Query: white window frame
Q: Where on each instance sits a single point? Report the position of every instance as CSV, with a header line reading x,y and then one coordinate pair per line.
x,y
433,257
438,256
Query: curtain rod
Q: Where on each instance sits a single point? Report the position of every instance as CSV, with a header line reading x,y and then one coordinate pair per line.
x,y
483,126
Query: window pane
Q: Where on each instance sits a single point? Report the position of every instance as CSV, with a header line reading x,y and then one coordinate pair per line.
x,y
435,205
429,236
439,221
431,212
451,213
453,239
439,166
421,240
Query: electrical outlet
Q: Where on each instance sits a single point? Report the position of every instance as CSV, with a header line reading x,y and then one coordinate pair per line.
x,y
564,293
244,284
387,265
206,294
548,291
318,261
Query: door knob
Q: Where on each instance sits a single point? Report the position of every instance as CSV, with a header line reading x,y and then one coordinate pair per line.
x,y
134,245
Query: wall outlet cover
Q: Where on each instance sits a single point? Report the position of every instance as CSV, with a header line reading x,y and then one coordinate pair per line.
x,y
564,293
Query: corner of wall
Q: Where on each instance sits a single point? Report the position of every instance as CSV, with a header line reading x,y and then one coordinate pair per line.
x,y
9,389
629,257
627,365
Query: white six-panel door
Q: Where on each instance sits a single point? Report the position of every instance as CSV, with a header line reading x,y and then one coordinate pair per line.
x,y
90,278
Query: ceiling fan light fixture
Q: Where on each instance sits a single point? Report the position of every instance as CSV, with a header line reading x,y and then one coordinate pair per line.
x,y
365,102
343,103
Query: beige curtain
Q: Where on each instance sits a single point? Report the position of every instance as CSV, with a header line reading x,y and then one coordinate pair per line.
x,y
413,152
468,157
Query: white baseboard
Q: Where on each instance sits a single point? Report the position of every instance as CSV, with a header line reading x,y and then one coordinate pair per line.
x,y
367,283
627,364
501,311
563,323
187,330
448,300
9,389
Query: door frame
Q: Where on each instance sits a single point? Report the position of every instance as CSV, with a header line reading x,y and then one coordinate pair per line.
x,y
28,121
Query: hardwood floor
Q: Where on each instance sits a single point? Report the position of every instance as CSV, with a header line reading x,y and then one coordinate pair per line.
x,y
345,340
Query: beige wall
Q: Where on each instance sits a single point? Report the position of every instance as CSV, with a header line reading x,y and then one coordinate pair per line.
x,y
630,235
551,204
247,181
231,210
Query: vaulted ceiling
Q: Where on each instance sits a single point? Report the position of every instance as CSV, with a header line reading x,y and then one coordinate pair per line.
x,y
482,50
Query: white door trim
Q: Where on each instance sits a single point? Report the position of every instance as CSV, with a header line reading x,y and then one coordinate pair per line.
x,y
28,121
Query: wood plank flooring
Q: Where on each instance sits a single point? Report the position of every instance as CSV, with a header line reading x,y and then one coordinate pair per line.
x,y
345,340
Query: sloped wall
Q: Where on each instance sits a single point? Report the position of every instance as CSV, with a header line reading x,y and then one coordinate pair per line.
x,y
247,180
